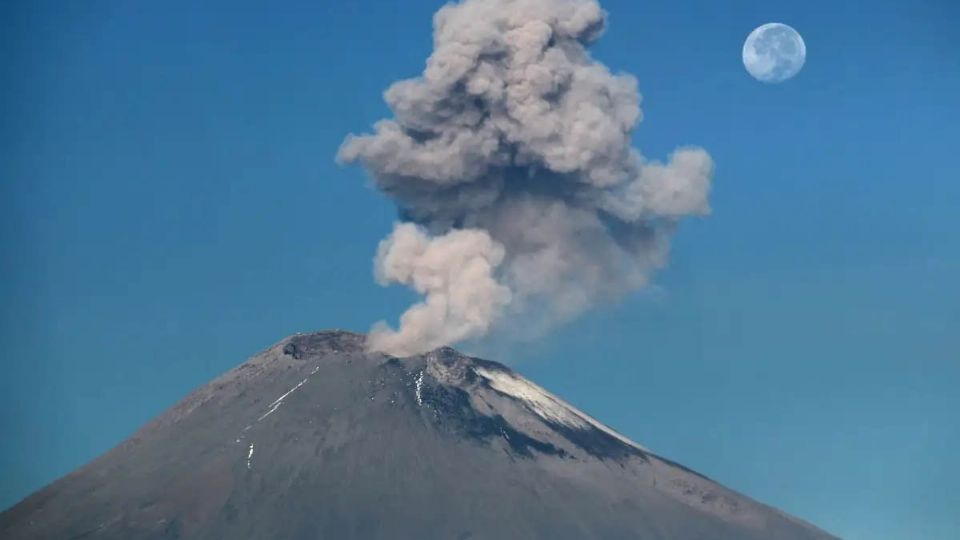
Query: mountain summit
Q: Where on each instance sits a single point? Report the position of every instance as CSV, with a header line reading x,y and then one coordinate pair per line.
x,y
316,438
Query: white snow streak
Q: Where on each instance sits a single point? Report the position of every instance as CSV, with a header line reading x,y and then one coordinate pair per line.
x,y
272,408
420,388
546,405
279,401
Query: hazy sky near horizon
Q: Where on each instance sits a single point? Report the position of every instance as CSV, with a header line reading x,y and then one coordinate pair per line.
x,y
169,205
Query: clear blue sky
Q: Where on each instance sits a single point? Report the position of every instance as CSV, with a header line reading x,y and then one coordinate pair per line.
x,y
169,205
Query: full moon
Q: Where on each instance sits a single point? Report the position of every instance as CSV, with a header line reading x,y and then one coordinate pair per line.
x,y
774,53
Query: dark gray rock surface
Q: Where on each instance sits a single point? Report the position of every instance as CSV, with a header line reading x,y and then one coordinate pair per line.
x,y
317,439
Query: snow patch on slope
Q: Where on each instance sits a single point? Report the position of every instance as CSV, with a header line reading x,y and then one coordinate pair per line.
x,y
279,401
420,389
546,405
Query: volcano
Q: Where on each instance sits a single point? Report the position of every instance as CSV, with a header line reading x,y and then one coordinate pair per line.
x,y
317,438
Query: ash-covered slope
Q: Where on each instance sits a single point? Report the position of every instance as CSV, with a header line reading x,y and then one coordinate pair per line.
x,y
315,439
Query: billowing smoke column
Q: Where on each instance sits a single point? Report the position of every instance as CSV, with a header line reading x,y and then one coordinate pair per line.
x,y
520,196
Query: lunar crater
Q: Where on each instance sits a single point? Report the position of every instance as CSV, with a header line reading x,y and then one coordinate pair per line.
x,y
774,53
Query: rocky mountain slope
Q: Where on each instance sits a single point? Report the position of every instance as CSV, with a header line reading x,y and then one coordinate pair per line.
x,y
315,438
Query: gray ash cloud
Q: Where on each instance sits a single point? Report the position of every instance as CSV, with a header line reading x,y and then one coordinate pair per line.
x,y
520,193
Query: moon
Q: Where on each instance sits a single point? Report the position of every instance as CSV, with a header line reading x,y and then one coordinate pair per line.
x,y
774,53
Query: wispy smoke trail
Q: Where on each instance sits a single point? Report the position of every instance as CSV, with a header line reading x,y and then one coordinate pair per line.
x,y
519,191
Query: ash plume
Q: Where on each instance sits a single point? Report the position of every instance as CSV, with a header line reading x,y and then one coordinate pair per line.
x,y
520,194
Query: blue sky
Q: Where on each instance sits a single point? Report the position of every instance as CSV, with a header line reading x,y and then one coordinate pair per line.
x,y
169,205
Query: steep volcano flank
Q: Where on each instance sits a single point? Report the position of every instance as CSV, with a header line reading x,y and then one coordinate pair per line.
x,y
316,438
471,382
